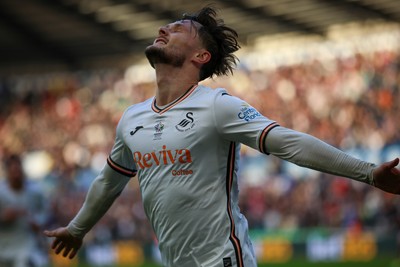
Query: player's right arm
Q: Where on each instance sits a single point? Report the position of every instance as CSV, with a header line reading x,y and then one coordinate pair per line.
x,y
107,186
102,193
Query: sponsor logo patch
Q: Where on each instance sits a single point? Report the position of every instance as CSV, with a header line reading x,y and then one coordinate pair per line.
x,y
248,113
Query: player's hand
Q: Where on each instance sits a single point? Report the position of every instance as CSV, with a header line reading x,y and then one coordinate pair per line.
x,y
64,242
387,177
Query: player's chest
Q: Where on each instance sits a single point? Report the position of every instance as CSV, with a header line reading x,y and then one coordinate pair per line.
x,y
174,130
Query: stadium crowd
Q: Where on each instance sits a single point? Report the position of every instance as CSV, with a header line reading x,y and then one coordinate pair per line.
x,y
352,103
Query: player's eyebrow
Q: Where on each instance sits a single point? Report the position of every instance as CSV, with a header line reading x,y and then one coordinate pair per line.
x,y
175,25
180,24
193,24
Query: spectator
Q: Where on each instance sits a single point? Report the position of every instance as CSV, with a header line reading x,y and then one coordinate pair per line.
x,y
22,214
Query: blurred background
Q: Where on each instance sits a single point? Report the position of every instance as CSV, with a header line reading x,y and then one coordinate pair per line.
x,y
330,68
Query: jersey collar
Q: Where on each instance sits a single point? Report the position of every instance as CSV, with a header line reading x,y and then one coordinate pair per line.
x,y
174,103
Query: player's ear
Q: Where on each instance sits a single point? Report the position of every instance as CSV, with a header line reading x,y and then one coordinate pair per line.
x,y
202,56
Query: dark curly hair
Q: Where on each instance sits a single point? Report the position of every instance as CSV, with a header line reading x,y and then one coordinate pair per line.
x,y
219,39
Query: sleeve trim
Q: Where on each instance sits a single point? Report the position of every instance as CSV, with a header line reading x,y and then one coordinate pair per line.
x,y
264,133
121,170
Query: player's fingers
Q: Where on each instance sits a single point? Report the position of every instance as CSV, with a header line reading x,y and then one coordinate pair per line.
x,y
73,253
59,248
392,167
67,250
55,243
392,164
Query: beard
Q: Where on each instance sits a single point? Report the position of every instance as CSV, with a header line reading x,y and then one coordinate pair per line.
x,y
160,55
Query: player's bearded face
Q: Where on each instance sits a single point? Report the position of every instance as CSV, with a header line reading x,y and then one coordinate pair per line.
x,y
164,56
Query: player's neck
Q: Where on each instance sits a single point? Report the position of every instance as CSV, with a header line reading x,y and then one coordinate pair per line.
x,y
172,83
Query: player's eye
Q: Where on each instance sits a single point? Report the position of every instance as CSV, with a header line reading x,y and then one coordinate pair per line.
x,y
177,29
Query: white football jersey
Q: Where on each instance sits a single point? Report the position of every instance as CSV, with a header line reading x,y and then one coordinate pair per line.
x,y
186,156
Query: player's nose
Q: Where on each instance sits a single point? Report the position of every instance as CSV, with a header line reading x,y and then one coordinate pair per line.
x,y
162,31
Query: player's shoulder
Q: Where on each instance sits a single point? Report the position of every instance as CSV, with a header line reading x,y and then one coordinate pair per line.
x,y
220,98
212,93
139,106
131,114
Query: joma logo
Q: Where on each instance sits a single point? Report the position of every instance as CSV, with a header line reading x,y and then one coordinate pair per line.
x,y
164,156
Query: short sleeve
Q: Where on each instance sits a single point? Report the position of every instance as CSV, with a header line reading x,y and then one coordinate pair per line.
x,y
121,158
238,121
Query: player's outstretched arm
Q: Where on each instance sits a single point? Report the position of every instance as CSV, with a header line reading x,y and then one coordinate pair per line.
x,y
387,177
64,242
308,151
102,193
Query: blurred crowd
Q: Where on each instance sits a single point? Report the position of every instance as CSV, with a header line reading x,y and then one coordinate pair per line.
x,y
63,125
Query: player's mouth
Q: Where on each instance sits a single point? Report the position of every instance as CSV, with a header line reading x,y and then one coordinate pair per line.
x,y
160,40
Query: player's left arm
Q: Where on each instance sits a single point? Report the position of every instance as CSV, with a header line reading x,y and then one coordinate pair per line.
x,y
308,151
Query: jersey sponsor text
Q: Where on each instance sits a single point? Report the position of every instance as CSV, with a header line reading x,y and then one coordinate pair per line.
x,y
164,157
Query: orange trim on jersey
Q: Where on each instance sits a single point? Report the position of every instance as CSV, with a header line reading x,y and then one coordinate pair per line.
x,y
179,100
229,180
261,144
118,168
